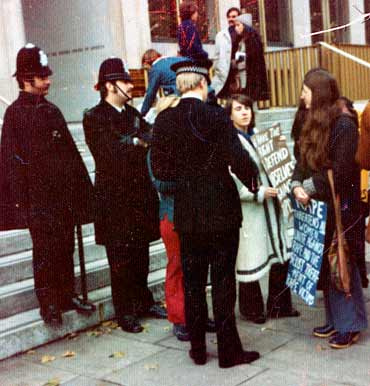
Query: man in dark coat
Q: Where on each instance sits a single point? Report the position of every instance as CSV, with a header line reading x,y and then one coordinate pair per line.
x,y
44,185
193,145
128,208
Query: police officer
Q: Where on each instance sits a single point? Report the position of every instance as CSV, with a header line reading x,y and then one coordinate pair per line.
x,y
193,145
127,217
44,185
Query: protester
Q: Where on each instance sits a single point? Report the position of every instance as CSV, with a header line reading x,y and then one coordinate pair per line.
x,y
346,106
127,217
329,140
41,173
249,69
225,63
262,245
193,145
160,76
363,151
188,37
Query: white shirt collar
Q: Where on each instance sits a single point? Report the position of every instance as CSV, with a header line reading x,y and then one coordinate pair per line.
x,y
191,94
118,108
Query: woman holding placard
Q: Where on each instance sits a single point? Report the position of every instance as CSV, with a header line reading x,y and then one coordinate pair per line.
x,y
262,245
329,140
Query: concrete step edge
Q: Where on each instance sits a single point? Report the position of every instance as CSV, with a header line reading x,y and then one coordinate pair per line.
x,y
24,331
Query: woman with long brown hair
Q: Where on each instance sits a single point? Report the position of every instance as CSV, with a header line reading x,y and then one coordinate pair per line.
x,y
329,140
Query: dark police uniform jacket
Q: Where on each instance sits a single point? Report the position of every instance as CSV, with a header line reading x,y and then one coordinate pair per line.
x,y
42,175
127,202
193,145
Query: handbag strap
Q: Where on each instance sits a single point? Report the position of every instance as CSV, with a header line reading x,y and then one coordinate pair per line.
x,y
337,211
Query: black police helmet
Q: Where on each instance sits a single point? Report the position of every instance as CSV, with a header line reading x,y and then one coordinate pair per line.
x,y
112,69
32,61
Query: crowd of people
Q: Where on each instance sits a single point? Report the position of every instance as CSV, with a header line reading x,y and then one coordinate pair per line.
x,y
194,179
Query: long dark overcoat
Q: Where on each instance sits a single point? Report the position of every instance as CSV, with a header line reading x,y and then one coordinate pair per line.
x,y
128,207
193,145
42,175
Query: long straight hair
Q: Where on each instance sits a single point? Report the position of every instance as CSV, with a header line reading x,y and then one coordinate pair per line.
x,y
314,139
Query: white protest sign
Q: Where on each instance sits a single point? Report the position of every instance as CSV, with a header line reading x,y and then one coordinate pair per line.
x,y
277,162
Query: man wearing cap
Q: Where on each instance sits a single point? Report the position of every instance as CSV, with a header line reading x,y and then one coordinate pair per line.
x,y
44,185
193,145
128,205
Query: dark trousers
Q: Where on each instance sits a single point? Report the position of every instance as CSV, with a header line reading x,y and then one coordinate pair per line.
x,y
279,296
52,258
198,252
129,268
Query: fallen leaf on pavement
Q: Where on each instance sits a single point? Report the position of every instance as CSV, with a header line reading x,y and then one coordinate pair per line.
x,y
31,352
117,354
166,329
319,347
47,358
69,354
151,366
53,382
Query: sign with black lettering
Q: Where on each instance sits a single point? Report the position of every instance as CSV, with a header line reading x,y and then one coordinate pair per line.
x,y
277,162
307,248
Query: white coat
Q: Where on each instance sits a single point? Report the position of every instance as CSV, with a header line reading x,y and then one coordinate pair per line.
x,y
263,239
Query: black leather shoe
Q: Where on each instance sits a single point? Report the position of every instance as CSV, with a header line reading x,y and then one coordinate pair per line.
x,y
181,332
276,313
51,314
344,340
199,357
81,306
324,331
130,323
243,358
255,318
210,326
157,311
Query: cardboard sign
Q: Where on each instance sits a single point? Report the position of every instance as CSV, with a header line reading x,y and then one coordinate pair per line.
x,y
307,249
277,162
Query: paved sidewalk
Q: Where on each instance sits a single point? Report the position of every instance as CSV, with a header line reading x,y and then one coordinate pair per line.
x,y
106,355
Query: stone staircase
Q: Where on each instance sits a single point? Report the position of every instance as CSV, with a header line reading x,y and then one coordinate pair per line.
x,y
21,327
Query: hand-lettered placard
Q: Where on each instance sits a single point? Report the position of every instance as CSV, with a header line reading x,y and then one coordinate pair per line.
x,y
307,248
277,162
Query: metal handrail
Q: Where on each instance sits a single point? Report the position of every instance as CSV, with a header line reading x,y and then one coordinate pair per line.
x,y
4,100
346,54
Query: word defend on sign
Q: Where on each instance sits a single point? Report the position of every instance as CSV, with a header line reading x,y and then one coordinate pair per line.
x,y
307,249
277,162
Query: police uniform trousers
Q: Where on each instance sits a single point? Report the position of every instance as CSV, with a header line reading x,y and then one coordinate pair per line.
x,y
52,258
129,269
219,251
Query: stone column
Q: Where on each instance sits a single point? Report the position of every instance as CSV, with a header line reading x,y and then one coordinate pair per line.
x,y
136,30
301,17
12,38
356,31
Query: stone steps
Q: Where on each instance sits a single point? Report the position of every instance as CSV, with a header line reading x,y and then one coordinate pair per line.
x,y
17,285
26,330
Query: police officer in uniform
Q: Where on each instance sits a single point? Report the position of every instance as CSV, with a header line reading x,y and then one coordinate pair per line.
x,y
44,185
193,145
128,216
